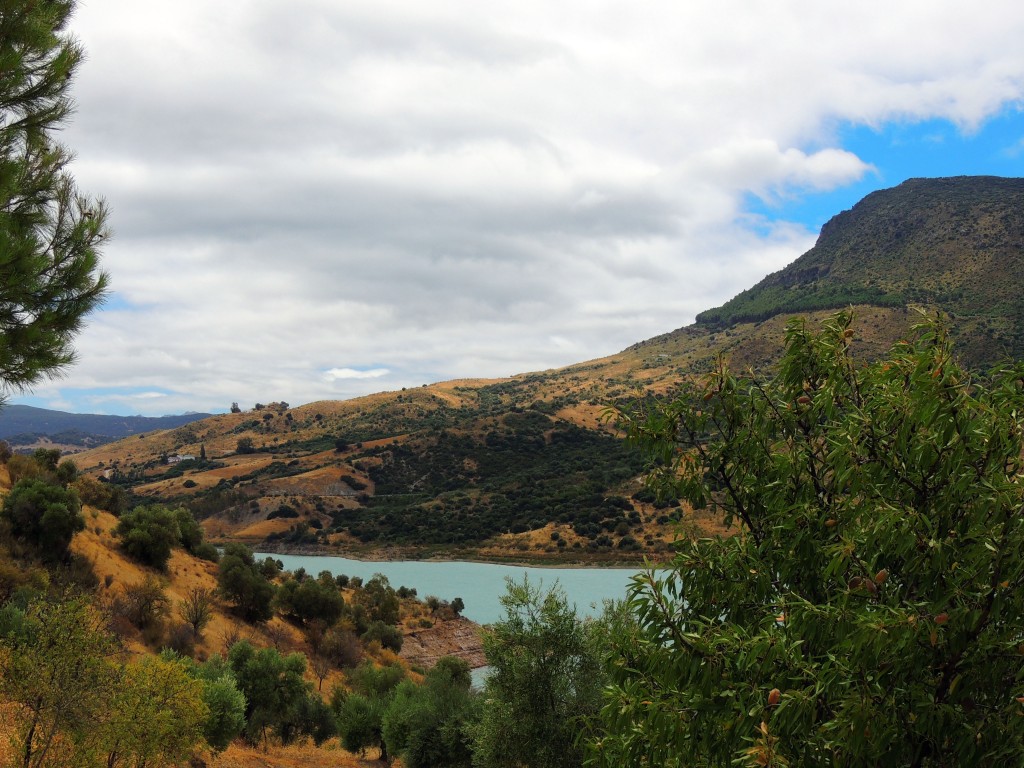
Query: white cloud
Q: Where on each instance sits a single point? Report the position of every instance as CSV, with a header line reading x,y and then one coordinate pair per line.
x,y
463,189
352,373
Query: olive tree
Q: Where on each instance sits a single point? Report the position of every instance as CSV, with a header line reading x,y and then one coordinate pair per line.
x,y
360,711
148,533
544,687
241,581
428,725
869,610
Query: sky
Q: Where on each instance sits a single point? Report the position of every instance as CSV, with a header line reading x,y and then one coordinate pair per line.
x,y
319,199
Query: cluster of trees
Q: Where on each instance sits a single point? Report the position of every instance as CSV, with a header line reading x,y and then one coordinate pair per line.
x,y
540,705
78,699
77,702
149,533
526,471
245,445
334,628
765,301
427,724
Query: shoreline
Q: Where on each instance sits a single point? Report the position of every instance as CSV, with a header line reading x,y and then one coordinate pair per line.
x,y
395,555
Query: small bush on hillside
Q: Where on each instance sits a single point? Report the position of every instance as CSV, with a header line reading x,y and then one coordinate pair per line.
x,y
25,468
181,639
148,534
310,600
144,607
241,581
105,496
388,636
47,458
66,472
341,646
283,511
207,551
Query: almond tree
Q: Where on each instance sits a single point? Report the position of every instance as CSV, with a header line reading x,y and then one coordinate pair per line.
x,y
869,610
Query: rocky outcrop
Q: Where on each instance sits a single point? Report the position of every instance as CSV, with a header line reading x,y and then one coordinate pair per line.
x,y
453,637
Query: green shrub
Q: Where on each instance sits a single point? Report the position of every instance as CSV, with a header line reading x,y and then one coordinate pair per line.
x,y
310,600
148,534
106,496
241,581
387,635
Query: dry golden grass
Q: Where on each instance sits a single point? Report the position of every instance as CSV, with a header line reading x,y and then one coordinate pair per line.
x,y
242,755
260,530
330,755
184,572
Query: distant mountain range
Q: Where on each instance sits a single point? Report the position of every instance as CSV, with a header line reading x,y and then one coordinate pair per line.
x,y
24,425
527,467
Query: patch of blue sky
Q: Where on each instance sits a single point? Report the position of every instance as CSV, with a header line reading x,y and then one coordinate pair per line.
x,y
902,150
116,302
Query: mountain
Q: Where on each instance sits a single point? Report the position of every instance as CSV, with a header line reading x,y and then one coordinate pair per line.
x,y
528,467
24,425
953,243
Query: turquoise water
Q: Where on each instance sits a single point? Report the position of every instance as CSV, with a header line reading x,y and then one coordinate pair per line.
x,y
478,584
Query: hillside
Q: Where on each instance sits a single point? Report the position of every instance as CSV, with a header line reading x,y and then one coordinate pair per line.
x,y
122,588
953,243
527,468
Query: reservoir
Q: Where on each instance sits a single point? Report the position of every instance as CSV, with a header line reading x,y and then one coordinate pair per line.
x,y
480,585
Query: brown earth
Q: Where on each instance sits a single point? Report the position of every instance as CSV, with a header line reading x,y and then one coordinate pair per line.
x,y
458,637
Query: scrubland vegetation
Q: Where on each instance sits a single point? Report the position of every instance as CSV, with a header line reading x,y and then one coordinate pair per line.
x,y
93,673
